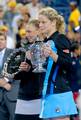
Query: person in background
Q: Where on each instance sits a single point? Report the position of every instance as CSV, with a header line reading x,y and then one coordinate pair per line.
x,y
8,87
74,16
77,32
2,20
24,2
70,35
9,15
21,24
4,4
21,38
73,77
75,54
34,6
11,43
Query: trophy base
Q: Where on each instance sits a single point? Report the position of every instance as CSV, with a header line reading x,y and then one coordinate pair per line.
x,y
39,69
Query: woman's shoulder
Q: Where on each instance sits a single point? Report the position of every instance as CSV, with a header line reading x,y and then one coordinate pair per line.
x,y
63,37
63,41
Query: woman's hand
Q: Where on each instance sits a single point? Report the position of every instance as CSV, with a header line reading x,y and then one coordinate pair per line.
x,y
24,66
46,50
5,84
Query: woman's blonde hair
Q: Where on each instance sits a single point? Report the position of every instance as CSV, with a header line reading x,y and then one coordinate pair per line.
x,y
34,22
52,14
61,24
49,12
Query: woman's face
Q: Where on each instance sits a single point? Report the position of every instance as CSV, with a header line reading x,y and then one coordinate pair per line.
x,y
31,33
44,24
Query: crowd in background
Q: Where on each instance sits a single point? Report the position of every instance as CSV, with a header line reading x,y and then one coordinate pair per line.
x,y
15,15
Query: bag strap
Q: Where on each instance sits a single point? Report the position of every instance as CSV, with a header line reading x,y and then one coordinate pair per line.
x,y
49,67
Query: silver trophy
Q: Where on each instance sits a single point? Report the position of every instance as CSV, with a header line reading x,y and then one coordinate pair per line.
x,y
37,57
11,66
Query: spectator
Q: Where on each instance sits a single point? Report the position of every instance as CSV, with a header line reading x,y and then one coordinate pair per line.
x,y
2,20
24,2
70,35
74,16
77,32
73,77
9,15
34,7
21,39
4,4
23,16
8,88
11,43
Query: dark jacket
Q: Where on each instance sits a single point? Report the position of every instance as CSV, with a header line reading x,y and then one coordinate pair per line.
x,y
12,94
64,61
30,85
73,77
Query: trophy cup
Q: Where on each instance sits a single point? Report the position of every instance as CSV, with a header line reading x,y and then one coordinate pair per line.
x,y
37,57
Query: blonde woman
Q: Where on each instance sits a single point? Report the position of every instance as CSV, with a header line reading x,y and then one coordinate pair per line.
x,y
58,103
28,102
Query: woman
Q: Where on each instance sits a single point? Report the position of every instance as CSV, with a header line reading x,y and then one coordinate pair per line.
x,y
57,85
28,102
